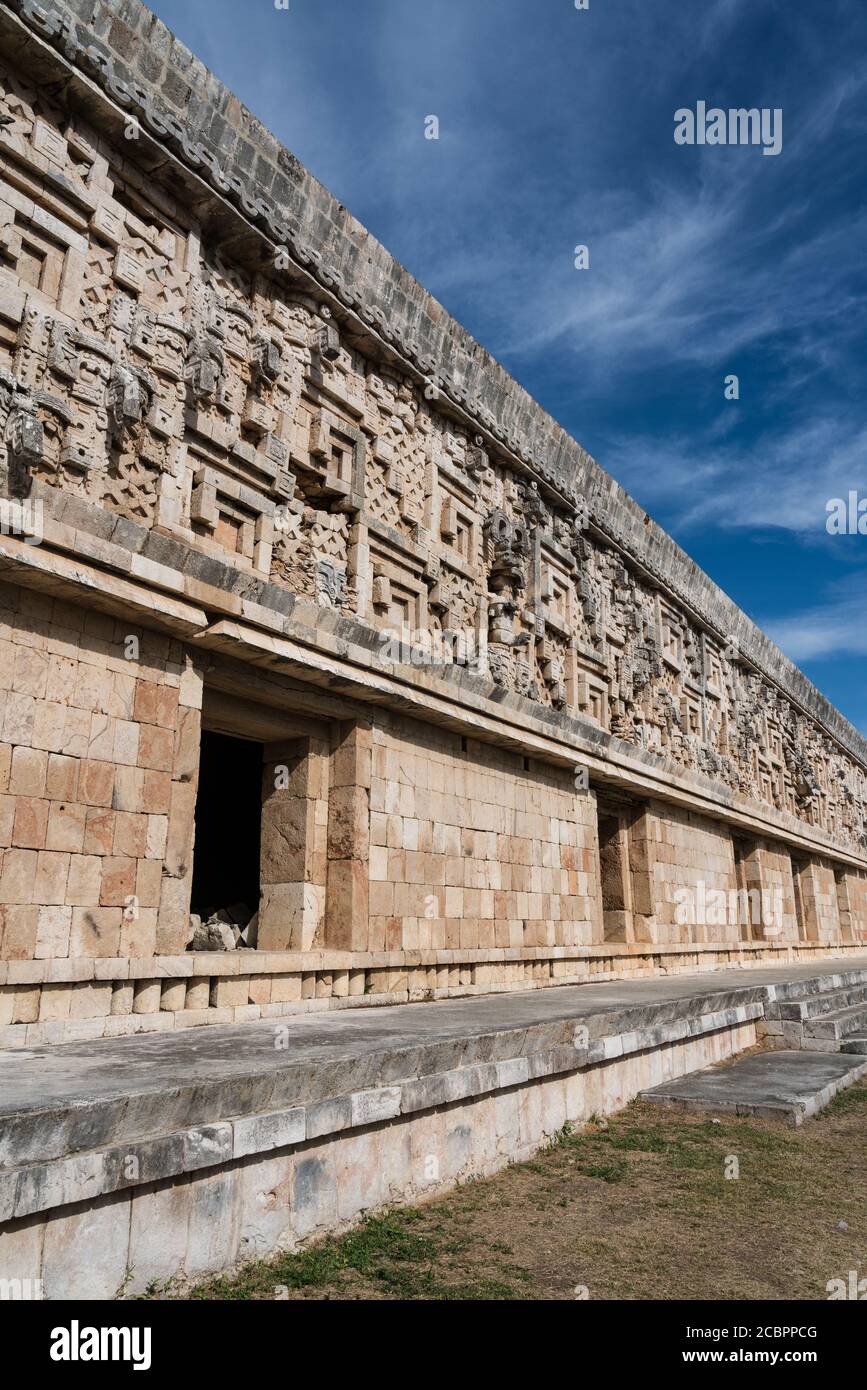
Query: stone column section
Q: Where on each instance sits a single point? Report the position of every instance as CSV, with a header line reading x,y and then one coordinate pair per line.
x,y
293,852
177,877
852,901
587,819
755,915
347,920
626,862
819,899
774,865
844,904
641,860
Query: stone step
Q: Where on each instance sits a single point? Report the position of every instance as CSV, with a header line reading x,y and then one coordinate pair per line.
x,y
73,1117
836,1026
77,1097
791,991
818,1005
785,1086
856,1042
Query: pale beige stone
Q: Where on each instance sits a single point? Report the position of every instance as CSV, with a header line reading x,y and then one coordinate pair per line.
x,y
52,932
28,772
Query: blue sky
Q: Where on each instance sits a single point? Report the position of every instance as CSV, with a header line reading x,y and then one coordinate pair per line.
x,y
556,129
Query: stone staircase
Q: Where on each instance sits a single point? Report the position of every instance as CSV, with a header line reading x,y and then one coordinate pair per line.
x,y
817,1031
824,1014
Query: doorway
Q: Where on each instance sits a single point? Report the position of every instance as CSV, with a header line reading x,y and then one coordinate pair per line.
x,y
228,825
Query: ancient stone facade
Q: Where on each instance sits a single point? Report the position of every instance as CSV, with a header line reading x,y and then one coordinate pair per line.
x,y
257,485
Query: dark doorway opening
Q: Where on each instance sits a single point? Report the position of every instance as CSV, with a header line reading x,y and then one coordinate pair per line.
x,y
228,824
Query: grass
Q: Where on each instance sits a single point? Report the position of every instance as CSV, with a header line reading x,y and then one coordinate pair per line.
x,y
390,1253
638,1208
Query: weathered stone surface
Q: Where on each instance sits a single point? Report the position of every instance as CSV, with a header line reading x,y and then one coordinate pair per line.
x,y
85,1252
785,1086
158,1237
71,1134
369,1107
272,1131
212,1237
286,497
265,1206
295,1180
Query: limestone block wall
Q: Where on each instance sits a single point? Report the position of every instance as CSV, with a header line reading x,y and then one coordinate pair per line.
x,y
852,902
689,854
399,860
775,871
99,740
473,846
685,862
294,863
817,890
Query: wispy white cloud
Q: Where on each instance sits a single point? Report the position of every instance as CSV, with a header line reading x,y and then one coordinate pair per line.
x,y
661,286
718,20
831,629
487,216
784,478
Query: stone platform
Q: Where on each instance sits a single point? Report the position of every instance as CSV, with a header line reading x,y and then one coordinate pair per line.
x,y
785,1086
162,1154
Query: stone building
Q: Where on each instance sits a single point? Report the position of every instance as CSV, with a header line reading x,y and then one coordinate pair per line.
x,y
306,605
